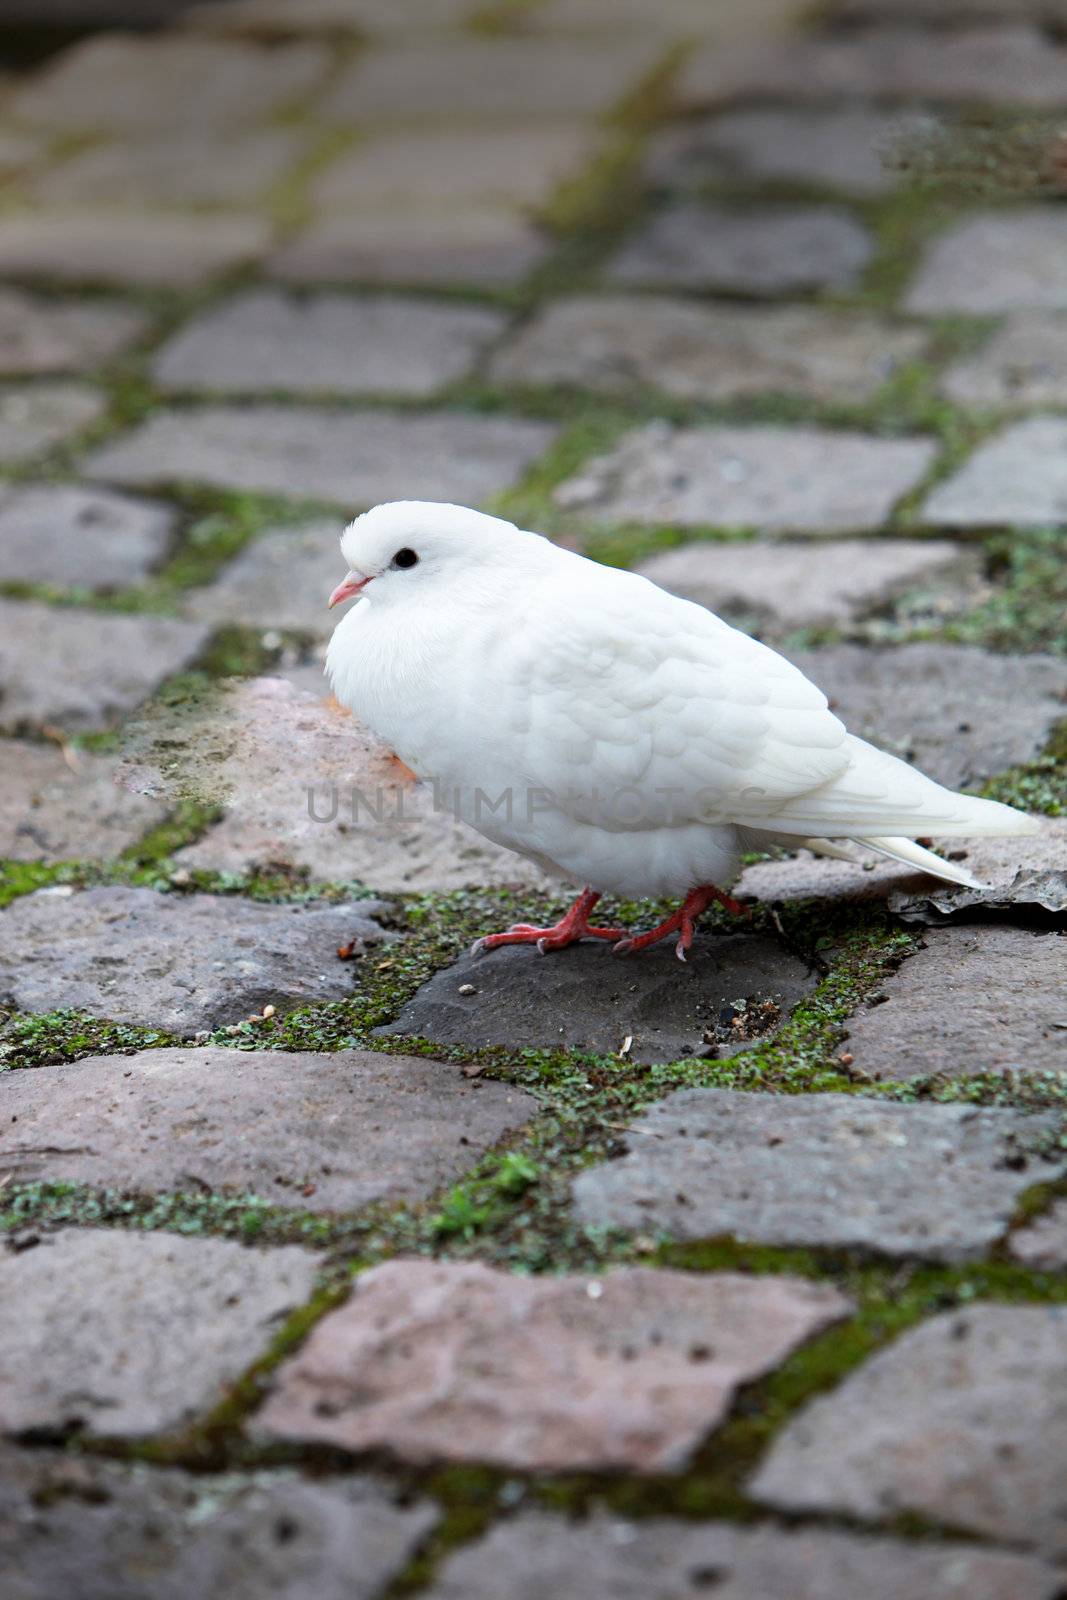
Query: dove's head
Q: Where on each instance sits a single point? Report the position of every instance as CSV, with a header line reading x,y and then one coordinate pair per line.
x,y
408,549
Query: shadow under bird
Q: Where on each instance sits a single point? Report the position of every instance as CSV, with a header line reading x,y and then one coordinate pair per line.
x,y
614,734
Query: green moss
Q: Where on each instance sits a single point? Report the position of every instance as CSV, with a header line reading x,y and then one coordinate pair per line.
x,y
68,1035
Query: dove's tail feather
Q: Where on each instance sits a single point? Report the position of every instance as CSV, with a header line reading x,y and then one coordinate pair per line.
x,y
914,855
882,801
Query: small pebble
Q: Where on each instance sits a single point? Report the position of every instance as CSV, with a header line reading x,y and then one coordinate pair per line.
x,y
467,988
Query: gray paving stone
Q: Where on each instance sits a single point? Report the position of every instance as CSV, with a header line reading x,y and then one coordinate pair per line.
x,y
467,244
534,1556
683,18
773,586
950,12
354,458
102,1530
265,341
457,167
1014,260
137,85
993,861
1014,65
95,673
179,962
583,1000
137,247
284,18
613,342
127,1333
849,148
282,579
772,249
490,77
19,150
52,811
961,1418
79,538
1042,1244
44,336
321,1132
458,1362
346,810
961,715
38,416
936,1181
1017,477
232,167
975,999
1023,364
775,479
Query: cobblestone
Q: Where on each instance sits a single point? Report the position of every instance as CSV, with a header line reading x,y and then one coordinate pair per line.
x,y
1019,477
36,417
232,168
484,245
96,1525
614,342
77,538
1043,1243
95,675
212,960
128,248
487,77
55,810
965,986
123,1333
932,1421
775,586
848,148
353,458
265,341
1023,364
271,18
45,336
534,1555
939,1181
319,1132
1012,65
138,85
456,1362
774,249
586,1002
995,261
775,479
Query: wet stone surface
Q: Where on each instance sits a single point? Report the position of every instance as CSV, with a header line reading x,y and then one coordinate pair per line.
x,y
976,998
333,1132
959,714
772,250
144,1533
441,1361
962,1417
264,341
177,962
95,675
56,809
734,988
354,458
75,538
535,1556
781,480
939,1181
134,1333
616,342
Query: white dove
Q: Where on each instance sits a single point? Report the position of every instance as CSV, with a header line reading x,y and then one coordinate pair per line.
x,y
614,734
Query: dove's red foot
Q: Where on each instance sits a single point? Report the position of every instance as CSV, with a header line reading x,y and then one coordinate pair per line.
x,y
683,922
575,925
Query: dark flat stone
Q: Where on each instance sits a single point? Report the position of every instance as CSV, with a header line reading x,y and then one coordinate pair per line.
x,y
582,998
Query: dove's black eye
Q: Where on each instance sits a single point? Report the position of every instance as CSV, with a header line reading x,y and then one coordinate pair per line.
x,y
405,558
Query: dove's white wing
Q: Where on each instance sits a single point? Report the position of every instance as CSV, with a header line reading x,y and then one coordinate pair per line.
x,y
615,681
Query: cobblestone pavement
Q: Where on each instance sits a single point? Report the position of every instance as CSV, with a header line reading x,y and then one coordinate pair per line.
x,y
405,1274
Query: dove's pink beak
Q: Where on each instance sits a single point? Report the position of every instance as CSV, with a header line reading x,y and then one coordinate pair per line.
x,y
344,591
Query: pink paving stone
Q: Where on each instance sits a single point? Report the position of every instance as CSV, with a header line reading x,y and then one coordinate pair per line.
x,y
440,1361
962,1420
